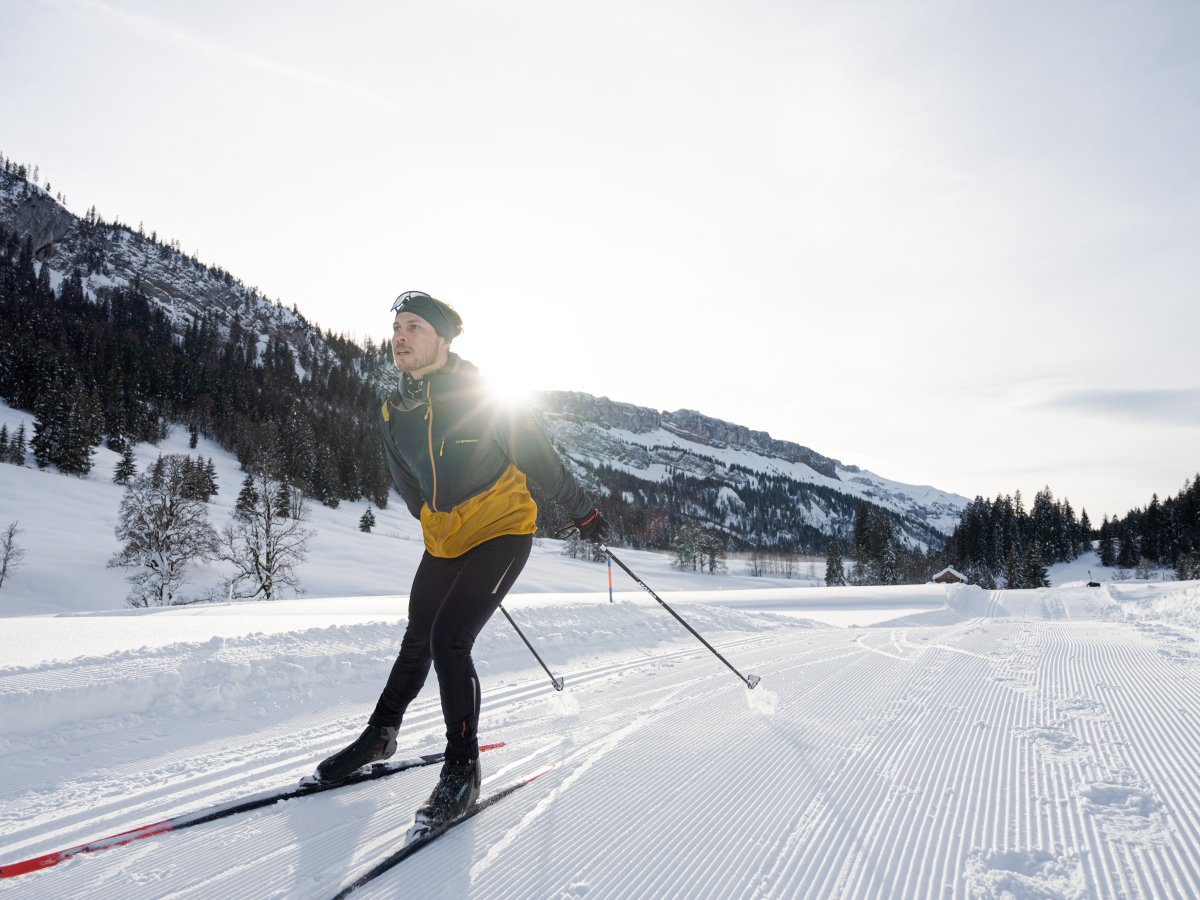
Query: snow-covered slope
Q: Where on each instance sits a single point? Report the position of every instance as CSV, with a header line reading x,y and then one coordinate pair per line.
x,y
68,522
113,256
1024,744
653,446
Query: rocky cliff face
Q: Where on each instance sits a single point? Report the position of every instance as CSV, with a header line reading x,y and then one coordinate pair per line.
x,y
686,423
109,255
32,212
653,446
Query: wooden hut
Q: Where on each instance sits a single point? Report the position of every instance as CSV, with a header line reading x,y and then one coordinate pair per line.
x,y
950,575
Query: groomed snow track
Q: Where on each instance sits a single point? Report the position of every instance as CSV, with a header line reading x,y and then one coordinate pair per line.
x,y
1049,752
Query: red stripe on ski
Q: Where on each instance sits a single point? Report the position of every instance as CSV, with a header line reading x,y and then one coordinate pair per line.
x,y
534,777
115,840
47,860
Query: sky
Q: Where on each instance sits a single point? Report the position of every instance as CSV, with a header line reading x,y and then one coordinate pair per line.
x,y
949,242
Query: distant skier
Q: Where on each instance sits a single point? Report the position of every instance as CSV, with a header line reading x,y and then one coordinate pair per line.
x,y
459,458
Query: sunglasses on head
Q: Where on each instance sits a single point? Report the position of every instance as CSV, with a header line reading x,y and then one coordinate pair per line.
x,y
407,296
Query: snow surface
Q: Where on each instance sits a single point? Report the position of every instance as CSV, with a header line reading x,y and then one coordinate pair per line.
x,y
954,743
1005,744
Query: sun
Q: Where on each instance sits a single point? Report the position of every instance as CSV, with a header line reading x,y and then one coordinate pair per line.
x,y
509,381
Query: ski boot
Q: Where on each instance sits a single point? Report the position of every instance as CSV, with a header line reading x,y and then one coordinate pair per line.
x,y
375,743
455,793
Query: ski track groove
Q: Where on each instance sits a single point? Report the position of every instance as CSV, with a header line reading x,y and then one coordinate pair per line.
x,y
1037,754
1170,780
194,781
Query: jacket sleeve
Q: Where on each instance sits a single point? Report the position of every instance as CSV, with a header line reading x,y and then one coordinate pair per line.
x,y
524,439
403,477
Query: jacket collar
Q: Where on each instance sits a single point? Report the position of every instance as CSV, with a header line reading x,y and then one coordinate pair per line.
x,y
410,392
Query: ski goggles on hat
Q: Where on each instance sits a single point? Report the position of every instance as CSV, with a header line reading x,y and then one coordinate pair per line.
x,y
432,311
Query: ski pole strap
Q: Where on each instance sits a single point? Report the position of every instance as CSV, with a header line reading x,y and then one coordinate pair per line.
x,y
750,680
588,520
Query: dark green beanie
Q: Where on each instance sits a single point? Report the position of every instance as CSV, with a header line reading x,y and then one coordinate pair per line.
x,y
442,318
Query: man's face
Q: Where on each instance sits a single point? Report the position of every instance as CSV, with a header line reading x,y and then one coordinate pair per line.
x,y
415,345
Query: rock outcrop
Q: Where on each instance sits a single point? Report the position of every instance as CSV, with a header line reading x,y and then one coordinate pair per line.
x,y
687,423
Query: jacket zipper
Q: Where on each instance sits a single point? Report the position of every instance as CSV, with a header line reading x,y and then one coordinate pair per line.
x,y
432,459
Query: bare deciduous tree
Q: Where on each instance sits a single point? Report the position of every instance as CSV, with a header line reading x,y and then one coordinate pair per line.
x,y
164,528
265,540
11,555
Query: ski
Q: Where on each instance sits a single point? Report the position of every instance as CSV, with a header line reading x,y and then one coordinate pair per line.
x,y
431,835
308,785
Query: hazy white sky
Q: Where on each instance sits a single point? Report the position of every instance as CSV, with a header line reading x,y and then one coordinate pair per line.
x,y
954,243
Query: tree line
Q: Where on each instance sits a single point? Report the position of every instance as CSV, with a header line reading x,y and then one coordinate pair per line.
x,y
1161,534
772,513
879,555
1000,539
115,370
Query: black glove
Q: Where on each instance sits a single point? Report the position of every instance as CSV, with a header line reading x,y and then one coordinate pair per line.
x,y
592,527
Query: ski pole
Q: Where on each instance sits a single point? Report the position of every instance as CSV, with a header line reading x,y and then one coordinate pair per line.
x,y
750,680
554,680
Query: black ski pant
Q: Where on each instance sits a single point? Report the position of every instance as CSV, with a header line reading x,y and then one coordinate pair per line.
x,y
450,601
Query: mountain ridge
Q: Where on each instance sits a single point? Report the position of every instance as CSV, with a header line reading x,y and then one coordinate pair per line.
x,y
604,441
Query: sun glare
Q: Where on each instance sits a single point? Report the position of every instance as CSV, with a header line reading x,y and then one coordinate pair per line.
x,y
509,383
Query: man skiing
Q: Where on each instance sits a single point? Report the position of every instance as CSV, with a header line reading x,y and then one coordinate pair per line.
x,y
459,459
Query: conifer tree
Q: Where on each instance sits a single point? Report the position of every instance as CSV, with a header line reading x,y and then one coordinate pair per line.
x,y
888,571
67,428
1033,567
711,549
686,547
126,468
835,575
367,522
1108,552
984,579
1014,576
860,534
199,479
1187,567
247,498
210,477
1127,553
283,501
17,448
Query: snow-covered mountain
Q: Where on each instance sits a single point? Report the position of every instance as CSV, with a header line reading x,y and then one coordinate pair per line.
x,y
757,489
653,446
110,254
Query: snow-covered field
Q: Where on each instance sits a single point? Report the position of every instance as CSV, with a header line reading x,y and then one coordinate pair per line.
x,y
68,522
946,742
1008,744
